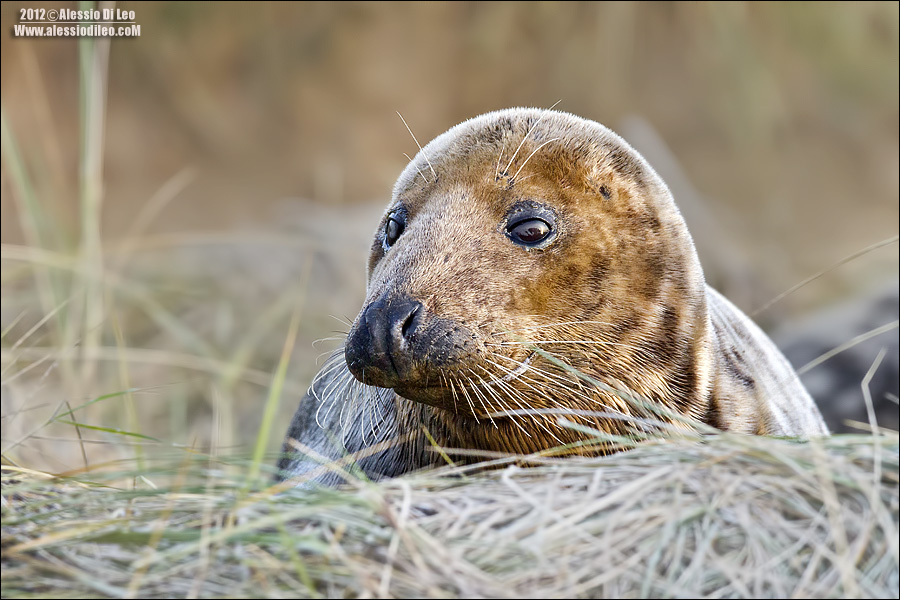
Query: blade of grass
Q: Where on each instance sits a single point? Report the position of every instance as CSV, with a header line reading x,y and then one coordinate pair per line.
x,y
185,360
93,62
125,381
98,399
112,430
131,289
12,325
32,220
80,440
810,279
274,397
29,333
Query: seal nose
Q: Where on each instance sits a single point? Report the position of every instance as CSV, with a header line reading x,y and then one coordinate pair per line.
x,y
378,347
392,322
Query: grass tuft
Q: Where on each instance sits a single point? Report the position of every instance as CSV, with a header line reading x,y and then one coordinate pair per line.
x,y
731,516
137,368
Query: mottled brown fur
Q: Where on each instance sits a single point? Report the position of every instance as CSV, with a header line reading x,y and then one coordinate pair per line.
x,y
618,295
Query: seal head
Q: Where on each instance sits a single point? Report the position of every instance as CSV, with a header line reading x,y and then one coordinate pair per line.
x,y
536,236
532,265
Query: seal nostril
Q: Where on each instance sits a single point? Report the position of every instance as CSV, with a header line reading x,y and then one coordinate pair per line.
x,y
409,324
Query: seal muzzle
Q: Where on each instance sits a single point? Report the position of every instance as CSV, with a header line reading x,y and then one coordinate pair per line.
x,y
397,343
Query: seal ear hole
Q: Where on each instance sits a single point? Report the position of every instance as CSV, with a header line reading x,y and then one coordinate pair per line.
x,y
604,191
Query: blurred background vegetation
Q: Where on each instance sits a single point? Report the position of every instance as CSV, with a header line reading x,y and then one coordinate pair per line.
x,y
165,215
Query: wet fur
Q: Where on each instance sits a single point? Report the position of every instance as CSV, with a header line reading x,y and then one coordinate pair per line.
x,y
619,297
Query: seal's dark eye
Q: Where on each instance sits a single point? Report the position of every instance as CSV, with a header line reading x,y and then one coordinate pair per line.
x,y
392,230
529,232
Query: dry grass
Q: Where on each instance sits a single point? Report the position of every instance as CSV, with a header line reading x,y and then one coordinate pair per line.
x,y
725,516
121,349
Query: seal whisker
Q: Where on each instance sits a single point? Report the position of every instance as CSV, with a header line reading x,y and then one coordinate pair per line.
x,y
332,364
456,390
342,412
481,390
333,358
327,401
417,168
585,342
385,399
541,387
380,398
337,338
547,388
462,388
532,154
433,172
363,404
558,324
497,169
454,395
526,178
369,407
565,384
345,376
328,353
630,398
518,397
342,320
512,374
505,408
465,390
522,143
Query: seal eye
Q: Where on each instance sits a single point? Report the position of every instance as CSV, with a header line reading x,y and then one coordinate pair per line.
x,y
529,232
392,230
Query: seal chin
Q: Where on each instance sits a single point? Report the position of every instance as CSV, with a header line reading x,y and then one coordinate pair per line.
x,y
457,398
436,396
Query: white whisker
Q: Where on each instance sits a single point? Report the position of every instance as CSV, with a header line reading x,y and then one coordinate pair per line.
x,y
532,154
433,172
522,143
425,179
